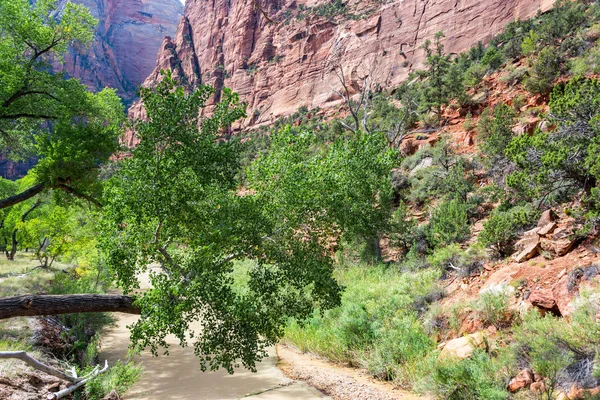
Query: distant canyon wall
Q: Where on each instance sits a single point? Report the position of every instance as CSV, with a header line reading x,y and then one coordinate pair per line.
x,y
127,38
278,66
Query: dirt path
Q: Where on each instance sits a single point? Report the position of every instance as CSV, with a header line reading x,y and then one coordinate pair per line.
x,y
178,375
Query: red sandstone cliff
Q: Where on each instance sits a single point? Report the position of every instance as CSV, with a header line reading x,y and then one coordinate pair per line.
x,y
123,53
279,66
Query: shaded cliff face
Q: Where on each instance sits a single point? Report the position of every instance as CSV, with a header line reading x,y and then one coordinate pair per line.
x,y
124,51
277,67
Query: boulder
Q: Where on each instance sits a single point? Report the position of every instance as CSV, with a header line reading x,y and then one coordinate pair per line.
x,y
547,229
563,246
562,396
562,296
542,298
521,381
464,347
563,240
576,393
528,252
547,217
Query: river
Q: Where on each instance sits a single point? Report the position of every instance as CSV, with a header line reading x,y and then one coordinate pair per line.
x,y
178,375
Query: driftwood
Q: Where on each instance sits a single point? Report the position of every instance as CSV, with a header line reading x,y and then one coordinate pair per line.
x,y
65,392
32,362
77,381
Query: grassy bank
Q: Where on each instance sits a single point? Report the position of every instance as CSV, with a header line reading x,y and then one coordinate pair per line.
x,y
389,322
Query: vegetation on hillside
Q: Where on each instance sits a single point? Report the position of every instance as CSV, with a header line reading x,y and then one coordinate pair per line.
x,y
282,231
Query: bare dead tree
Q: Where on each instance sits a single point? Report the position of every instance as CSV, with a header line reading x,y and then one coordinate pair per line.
x,y
357,96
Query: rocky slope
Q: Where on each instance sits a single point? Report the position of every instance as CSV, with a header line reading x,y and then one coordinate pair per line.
x,y
127,37
280,65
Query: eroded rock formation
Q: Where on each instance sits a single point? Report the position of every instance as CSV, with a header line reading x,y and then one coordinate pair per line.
x,y
124,51
280,66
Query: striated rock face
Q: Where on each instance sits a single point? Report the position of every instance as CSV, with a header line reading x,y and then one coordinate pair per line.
x,y
277,67
124,51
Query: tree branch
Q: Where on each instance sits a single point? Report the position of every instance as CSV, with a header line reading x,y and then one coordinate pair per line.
x,y
79,195
65,392
25,195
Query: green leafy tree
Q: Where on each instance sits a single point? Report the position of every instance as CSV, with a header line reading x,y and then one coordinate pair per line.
x,y
44,115
175,202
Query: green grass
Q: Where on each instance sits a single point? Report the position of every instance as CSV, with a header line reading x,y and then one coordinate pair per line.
x,y
377,327
22,263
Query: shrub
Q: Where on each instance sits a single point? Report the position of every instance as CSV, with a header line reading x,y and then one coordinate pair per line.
x,y
492,307
493,58
119,377
529,43
376,325
556,165
544,71
453,258
469,379
449,224
475,74
541,341
495,128
503,227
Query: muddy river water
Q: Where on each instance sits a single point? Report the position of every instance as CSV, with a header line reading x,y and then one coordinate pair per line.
x,y
178,375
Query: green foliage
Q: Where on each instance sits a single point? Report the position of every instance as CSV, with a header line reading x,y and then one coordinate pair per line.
x,y
493,58
544,71
376,325
492,307
470,379
120,377
503,227
347,185
436,92
449,224
175,202
586,64
495,129
557,164
454,259
474,74
84,129
561,352
529,44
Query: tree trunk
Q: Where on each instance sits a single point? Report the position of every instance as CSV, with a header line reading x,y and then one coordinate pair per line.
x,y
13,249
36,305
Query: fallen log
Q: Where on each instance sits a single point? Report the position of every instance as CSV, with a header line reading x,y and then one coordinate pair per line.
x,y
37,305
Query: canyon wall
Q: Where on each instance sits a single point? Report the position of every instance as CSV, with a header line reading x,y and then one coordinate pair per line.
x,y
123,53
284,58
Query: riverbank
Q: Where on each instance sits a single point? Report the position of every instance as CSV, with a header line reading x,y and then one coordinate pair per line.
x,y
339,382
